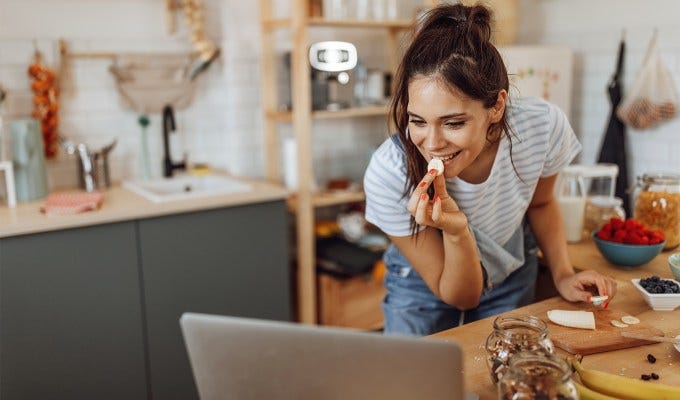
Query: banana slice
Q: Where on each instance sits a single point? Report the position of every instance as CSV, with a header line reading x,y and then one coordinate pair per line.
x,y
630,320
437,164
573,319
618,323
597,300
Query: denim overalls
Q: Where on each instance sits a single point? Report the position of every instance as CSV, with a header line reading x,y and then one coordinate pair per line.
x,y
410,308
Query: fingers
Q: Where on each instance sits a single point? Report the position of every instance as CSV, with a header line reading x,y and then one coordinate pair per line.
x,y
436,209
420,190
421,215
606,286
440,187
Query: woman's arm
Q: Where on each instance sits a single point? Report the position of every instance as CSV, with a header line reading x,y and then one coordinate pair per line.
x,y
445,253
548,228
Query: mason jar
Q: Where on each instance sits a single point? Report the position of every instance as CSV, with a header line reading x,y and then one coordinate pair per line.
x,y
511,335
657,205
600,210
537,375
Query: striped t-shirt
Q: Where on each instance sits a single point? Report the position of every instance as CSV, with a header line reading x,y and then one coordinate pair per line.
x,y
542,144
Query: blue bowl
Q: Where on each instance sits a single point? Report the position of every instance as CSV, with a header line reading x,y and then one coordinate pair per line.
x,y
627,255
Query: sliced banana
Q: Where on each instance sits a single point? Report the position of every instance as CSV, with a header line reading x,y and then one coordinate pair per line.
x,y
630,320
618,323
573,319
597,300
437,164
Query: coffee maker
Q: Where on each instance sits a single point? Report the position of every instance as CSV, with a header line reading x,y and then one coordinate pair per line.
x,y
331,63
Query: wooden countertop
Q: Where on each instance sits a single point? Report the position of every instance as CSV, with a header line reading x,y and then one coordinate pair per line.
x,y
122,205
630,362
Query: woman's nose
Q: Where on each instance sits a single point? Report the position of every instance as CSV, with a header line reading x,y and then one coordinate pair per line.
x,y
434,139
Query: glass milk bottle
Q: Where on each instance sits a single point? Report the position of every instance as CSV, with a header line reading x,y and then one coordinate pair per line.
x,y
571,197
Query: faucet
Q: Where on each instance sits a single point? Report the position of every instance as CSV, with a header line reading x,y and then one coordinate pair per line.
x,y
168,127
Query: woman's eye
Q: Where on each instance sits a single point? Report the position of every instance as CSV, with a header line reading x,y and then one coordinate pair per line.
x,y
455,124
417,122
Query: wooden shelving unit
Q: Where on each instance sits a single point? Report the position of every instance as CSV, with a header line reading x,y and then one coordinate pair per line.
x,y
304,202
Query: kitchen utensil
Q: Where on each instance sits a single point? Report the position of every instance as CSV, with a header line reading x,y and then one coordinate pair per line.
x,y
93,165
143,121
660,301
652,338
605,337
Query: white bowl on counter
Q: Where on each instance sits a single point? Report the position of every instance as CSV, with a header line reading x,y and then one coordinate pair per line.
x,y
659,301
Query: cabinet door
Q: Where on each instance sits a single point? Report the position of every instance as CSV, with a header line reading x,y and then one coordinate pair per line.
x,y
70,315
231,261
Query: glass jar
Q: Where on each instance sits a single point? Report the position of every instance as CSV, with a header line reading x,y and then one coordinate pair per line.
x,y
600,209
512,335
657,205
537,375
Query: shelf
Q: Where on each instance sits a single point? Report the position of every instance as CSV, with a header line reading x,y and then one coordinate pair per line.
x,y
361,23
278,23
371,111
326,199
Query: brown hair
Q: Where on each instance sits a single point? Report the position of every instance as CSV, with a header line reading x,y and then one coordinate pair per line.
x,y
454,43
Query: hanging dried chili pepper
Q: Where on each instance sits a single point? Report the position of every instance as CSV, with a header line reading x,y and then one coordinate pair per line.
x,y
45,104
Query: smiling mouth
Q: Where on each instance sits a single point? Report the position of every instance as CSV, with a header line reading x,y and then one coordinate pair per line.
x,y
449,158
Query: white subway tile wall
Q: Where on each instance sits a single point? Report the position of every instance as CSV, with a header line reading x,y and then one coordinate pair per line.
x,y
223,126
593,30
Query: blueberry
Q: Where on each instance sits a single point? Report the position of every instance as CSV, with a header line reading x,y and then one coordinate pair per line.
x,y
651,358
654,376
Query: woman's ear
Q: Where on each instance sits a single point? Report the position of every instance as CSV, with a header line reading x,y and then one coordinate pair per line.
x,y
496,111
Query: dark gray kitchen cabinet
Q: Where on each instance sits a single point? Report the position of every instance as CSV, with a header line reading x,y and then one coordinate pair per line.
x,y
93,312
231,261
70,315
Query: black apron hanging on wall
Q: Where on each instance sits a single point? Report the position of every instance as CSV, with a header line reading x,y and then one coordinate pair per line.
x,y
613,148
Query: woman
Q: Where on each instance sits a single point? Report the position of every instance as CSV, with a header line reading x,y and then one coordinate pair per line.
x,y
463,242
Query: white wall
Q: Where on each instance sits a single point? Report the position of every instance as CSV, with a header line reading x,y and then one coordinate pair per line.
x,y
223,126
593,28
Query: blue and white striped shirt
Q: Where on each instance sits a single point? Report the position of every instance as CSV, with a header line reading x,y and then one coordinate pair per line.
x,y
542,144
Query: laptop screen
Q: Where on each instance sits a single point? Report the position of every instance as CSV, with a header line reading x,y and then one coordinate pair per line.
x,y
240,358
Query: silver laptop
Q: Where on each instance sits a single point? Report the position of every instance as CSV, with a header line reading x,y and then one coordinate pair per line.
x,y
239,358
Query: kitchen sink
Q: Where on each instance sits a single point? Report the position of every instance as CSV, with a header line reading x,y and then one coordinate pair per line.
x,y
185,187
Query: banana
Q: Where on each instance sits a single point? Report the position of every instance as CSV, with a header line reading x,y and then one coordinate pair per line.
x,y
585,393
623,387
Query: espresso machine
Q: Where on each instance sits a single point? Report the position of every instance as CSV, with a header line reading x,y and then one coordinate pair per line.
x,y
331,63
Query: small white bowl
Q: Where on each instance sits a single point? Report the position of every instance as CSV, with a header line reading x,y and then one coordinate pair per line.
x,y
659,302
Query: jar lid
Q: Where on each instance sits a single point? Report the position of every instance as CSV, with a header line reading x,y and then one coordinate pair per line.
x,y
605,201
662,178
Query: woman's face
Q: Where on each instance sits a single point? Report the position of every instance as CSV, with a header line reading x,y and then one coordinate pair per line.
x,y
447,125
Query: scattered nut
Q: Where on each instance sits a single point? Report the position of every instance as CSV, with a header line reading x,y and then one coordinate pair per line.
x,y
630,320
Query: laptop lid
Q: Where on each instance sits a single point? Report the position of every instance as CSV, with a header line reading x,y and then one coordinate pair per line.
x,y
240,358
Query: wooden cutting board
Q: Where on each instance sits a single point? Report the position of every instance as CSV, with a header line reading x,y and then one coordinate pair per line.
x,y
605,337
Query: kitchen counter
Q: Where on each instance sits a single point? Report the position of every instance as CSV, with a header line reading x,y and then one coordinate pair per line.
x,y
122,205
630,362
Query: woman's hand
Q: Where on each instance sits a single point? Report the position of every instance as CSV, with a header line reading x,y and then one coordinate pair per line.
x,y
442,212
581,286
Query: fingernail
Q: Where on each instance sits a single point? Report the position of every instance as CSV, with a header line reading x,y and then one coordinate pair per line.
x,y
588,298
423,184
424,196
433,171
606,305
435,198
604,292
